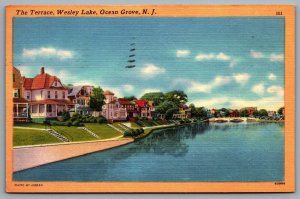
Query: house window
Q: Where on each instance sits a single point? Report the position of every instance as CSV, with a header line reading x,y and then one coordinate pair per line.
x,y
49,108
16,93
56,95
28,95
55,83
49,95
41,94
64,95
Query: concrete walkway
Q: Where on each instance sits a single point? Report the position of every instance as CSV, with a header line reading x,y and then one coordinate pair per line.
x,y
32,156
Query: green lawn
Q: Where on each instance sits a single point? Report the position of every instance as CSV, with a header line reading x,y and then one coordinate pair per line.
x,y
31,125
31,137
102,130
73,133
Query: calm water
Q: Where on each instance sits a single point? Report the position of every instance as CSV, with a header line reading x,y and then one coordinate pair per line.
x,y
201,152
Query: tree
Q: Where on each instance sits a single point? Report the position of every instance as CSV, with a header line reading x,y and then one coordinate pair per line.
x,y
280,111
193,110
176,96
225,112
170,112
156,97
166,105
262,112
255,113
130,98
244,113
202,112
97,99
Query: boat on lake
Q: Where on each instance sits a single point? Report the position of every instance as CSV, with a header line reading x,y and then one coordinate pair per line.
x,y
236,120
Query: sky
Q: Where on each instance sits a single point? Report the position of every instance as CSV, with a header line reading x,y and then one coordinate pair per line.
x,y
231,62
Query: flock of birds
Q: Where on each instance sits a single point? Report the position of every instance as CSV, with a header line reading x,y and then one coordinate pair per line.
x,y
131,57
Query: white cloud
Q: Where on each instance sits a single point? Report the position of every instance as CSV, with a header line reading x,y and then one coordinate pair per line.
x,y
216,102
212,56
82,83
276,57
219,80
223,57
128,87
182,53
256,54
272,76
195,87
151,70
278,90
241,78
258,89
47,52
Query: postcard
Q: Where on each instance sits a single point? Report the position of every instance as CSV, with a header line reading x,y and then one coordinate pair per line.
x,y
150,98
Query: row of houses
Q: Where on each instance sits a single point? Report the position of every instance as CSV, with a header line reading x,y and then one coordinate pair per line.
x,y
45,96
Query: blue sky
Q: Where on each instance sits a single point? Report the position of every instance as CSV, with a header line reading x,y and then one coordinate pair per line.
x,y
219,62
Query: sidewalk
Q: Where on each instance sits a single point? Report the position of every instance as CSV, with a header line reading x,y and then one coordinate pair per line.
x,y
32,156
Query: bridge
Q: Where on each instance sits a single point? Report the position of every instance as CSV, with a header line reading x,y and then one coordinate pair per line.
x,y
228,119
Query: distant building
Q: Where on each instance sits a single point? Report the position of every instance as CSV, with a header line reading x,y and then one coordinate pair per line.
x,y
234,113
250,110
20,105
80,97
184,112
271,113
46,94
113,109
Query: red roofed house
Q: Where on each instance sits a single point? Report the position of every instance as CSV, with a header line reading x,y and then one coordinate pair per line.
x,y
143,108
46,94
20,104
114,109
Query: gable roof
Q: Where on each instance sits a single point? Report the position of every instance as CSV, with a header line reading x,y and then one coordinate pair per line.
x,y
41,81
124,101
141,103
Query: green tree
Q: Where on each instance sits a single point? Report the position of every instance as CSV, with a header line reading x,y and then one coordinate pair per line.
x,y
97,99
170,112
202,112
255,113
262,112
130,98
166,105
156,97
225,112
193,110
280,111
176,96
244,113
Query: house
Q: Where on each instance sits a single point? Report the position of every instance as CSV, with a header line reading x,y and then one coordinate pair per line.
x,y
46,95
234,113
20,105
113,109
271,113
80,98
250,110
129,106
143,108
183,113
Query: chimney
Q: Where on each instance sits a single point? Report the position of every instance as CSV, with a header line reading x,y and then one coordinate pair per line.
x,y
42,70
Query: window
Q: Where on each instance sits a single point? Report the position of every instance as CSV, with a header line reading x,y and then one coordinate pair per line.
x,y
64,95
16,93
55,83
28,95
41,94
49,95
56,95
49,108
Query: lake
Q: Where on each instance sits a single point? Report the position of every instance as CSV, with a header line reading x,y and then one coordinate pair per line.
x,y
243,152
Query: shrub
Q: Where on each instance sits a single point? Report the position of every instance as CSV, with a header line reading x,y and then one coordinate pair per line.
x,y
76,123
101,120
57,123
69,123
128,133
